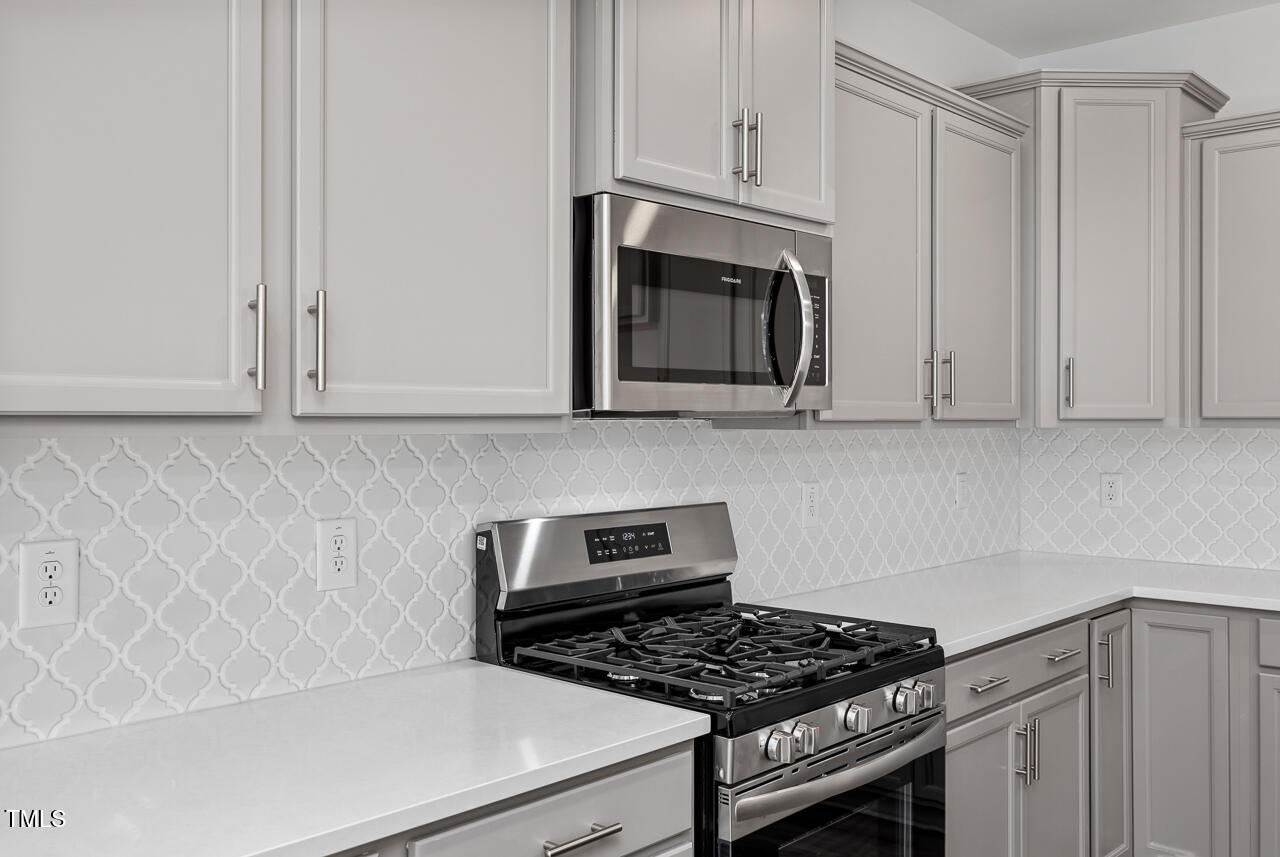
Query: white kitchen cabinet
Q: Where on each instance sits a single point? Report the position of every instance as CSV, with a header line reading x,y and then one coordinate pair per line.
x,y
1101,260
975,270
921,170
662,89
432,208
1181,729
131,215
1233,221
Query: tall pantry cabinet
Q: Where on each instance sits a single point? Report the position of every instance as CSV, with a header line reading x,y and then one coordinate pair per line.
x,y
1101,260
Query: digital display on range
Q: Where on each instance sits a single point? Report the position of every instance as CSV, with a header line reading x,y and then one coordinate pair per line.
x,y
611,544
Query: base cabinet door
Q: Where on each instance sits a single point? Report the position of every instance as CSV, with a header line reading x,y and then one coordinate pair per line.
x,y
1181,803
432,203
983,791
1269,763
1111,727
1055,803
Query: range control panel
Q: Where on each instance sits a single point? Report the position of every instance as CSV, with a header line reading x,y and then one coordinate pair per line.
x,y
612,544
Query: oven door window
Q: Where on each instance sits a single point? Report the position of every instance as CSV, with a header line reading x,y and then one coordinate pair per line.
x,y
900,815
697,321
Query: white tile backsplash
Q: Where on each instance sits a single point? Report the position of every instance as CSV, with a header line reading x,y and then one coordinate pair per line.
x,y
198,582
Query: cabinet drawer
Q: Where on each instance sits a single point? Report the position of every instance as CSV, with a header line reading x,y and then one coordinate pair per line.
x,y
652,803
1011,670
1269,642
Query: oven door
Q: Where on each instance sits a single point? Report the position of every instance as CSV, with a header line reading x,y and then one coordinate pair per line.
x,y
881,797
705,314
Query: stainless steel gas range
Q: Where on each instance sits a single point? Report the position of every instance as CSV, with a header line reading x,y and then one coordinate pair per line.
x,y
828,732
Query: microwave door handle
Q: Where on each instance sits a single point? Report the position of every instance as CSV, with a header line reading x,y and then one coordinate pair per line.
x,y
807,327
932,737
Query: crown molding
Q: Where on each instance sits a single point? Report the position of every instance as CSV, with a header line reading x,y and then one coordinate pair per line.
x,y
853,59
1188,81
1231,125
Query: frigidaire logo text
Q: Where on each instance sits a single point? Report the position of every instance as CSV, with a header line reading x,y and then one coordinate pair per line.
x,y
731,280
36,817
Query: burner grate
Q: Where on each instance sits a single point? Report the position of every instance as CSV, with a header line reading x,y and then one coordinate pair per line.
x,y
724,656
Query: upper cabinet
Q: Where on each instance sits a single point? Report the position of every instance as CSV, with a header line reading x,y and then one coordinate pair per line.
x,y
431,229
1101,262
131,215
1233,193
730,100
925,249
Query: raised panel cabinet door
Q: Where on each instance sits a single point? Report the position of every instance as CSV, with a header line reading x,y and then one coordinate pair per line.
x,y
1111,746
1180,735
131,209
432,207
1269,759
975,253
881,275
1055,804
676,94
1240,258
1112,280
984,793
787,78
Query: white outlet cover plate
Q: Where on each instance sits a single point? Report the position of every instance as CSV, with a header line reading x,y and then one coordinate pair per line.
x,y
337,550
1113,498
810,500
963,494
43,565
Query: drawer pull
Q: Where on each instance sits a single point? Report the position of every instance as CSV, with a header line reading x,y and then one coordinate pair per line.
x,y
598,832
1062,655
1110,677
991,682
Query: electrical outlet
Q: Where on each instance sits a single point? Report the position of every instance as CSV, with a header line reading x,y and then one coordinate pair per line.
x,y
1111,491
963,494
48,583
810,500
336,551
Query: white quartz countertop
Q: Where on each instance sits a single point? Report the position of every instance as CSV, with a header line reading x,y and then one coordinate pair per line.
x,y
973,604
307,774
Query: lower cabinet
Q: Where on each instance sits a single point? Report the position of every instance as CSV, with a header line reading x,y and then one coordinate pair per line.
x,y
1269,759
1181,735
1018,778
1111,725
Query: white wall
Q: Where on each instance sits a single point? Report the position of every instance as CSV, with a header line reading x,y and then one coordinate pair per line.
x,y
919,41
1240,53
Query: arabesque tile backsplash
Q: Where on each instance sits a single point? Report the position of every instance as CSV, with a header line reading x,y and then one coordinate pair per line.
x,y
197,554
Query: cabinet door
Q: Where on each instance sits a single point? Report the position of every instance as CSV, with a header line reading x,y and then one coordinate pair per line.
x,y
881,272
1180,735
1111,717
788,70
975,254
1113,285
983,792
1269,759
131,210
676,97
1055,806
432,206
1240,219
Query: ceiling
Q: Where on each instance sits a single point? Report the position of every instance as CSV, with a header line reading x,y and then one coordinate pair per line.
x,y
1028,28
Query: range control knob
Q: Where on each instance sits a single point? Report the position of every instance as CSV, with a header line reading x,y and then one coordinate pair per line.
x,y
906,700
779,747
857,719
806,737
928,693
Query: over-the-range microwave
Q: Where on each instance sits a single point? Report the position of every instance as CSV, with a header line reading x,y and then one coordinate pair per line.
x,y
681,312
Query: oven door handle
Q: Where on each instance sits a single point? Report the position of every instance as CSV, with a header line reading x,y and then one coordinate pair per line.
x,y
932,737
807,327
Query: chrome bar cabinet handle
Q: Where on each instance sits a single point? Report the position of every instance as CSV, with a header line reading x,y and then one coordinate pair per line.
x,y
950,395
1071,382
743,124
1062,655
1025,770
991,682
758,127
1035,747
932,396
1109,678
258,371
598,832
320,310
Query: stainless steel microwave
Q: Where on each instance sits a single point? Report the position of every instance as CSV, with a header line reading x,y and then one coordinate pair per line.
x,y
680,312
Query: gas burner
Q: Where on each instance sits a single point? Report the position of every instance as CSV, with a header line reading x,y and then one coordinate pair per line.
x,y
622,678
706,695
